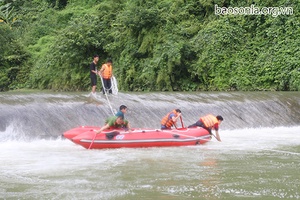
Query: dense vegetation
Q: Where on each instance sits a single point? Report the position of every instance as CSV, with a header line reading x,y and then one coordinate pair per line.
x,y
156,45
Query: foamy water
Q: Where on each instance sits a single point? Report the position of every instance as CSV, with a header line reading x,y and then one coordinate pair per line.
x,y
257,158
59,169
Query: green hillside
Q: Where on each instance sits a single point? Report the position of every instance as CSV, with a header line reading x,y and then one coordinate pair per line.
x,y
155,45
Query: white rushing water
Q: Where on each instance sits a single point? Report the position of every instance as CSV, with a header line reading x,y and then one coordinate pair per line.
x,y
59,169
259,156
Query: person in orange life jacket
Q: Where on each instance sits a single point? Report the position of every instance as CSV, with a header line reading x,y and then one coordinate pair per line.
x,y
106,73
93,73
170,119
209,122
114,122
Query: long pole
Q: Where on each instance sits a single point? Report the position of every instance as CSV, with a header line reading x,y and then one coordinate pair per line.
x,y
181,122
200,137
92,141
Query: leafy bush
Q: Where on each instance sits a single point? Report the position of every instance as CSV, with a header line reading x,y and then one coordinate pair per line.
x,y
167,45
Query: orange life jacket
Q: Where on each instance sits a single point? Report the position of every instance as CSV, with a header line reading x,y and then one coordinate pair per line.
x,y
107,72
168,122
209,120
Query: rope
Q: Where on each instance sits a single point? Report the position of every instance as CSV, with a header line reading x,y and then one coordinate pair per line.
x,y
114,85
105,92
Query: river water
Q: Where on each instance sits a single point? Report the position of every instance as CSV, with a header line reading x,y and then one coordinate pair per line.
x,y
258,158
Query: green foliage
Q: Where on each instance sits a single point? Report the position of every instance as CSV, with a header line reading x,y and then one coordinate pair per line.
x,y
58,4
7,15
223,37
66,56
166,45
12,57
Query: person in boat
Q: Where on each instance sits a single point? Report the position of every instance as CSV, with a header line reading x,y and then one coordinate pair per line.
x,y
115,122
170,119
209,122
93,73
106,72
122,111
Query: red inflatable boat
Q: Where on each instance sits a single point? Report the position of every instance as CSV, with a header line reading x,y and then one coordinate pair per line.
x,y
118,138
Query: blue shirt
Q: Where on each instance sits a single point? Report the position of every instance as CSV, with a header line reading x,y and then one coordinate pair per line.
x,y
120,113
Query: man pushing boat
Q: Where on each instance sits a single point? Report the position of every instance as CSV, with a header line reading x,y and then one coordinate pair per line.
x,y
209,122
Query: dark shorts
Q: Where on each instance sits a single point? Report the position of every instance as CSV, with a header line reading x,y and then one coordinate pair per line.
x,y
164,127
93,80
